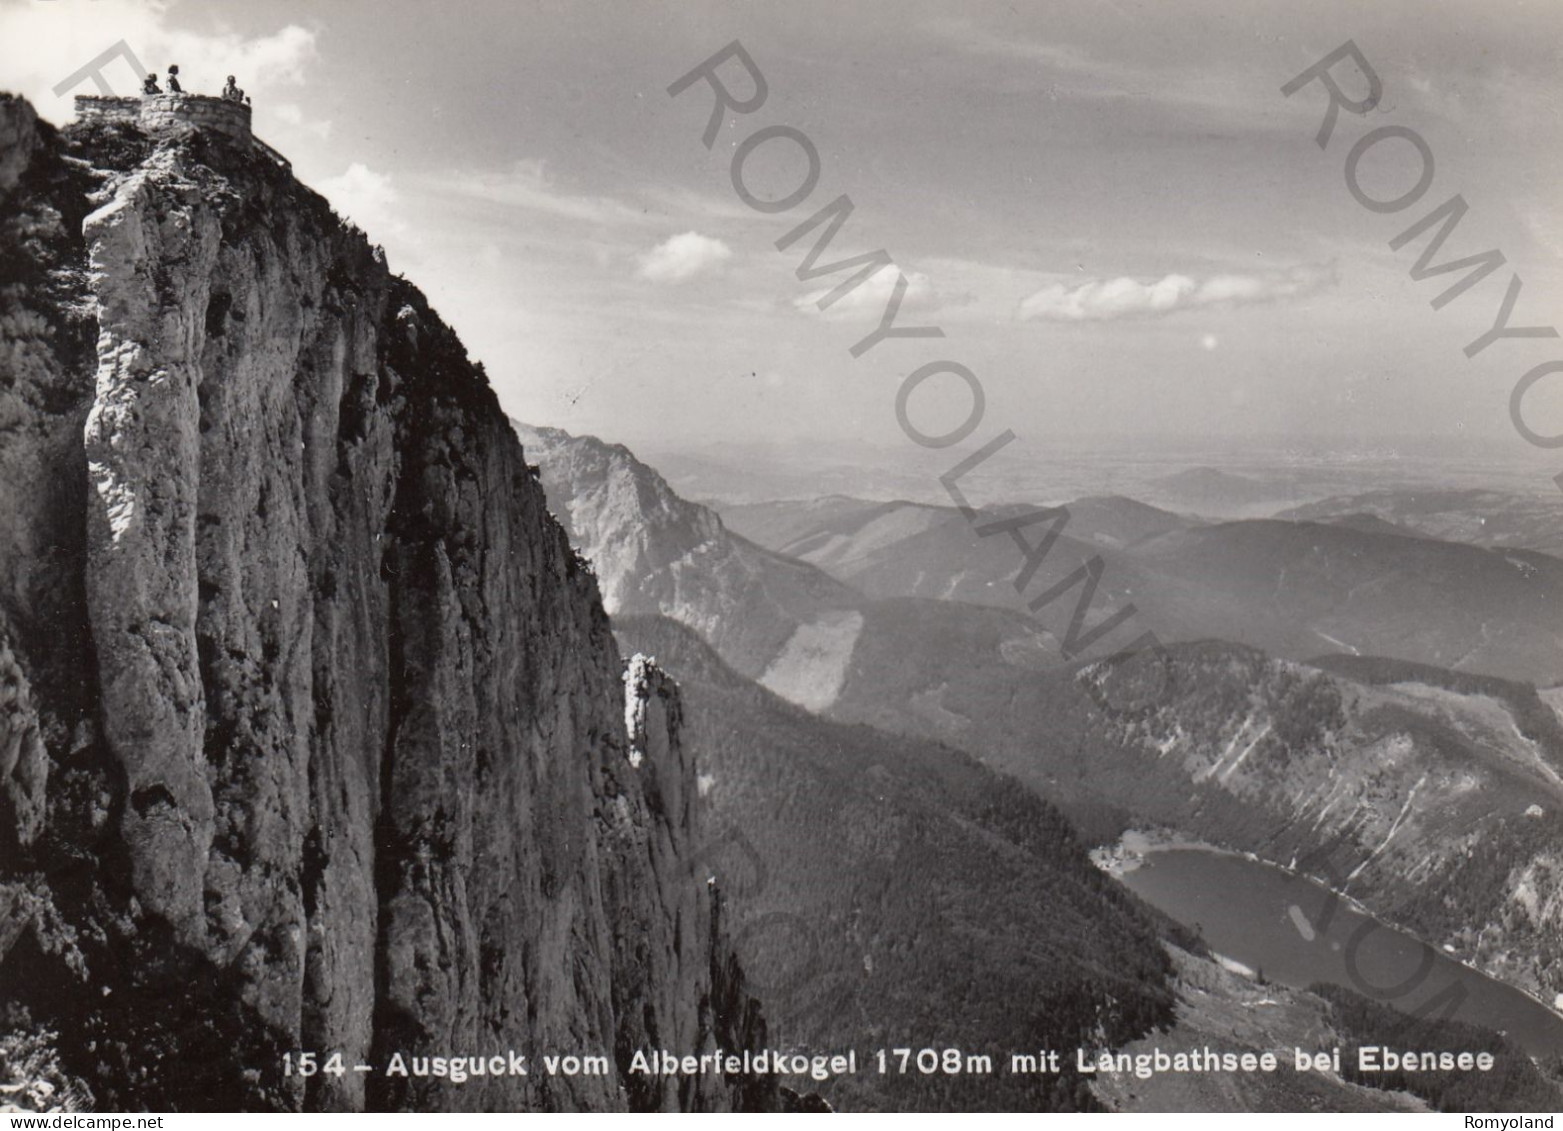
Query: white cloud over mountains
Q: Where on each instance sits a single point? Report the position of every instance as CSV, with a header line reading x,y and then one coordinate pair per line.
x,y
1104,300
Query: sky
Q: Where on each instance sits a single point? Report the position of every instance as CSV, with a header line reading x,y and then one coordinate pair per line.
x,y
1118,221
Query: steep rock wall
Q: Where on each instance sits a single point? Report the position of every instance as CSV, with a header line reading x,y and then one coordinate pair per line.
x,y
313,731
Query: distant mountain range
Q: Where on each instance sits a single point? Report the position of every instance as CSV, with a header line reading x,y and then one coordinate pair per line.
x,y
1211,491
773,617
1481,518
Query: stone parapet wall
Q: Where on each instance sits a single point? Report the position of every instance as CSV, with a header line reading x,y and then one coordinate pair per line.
x,y
160,112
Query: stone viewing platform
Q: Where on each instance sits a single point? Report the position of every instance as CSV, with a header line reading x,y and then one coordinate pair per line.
x,y
164,113
156,113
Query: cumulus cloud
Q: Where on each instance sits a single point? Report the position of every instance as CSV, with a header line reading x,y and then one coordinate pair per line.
x,y
683,257
1103,300
41,45
365,197
870,297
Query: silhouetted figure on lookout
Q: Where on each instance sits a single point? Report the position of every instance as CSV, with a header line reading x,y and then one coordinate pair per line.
x,y
173,80
231,91
149,85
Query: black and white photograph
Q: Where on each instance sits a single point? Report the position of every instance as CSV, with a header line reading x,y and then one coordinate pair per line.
x,y
811,558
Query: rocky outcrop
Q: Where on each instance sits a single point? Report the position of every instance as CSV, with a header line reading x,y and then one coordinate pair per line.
x,y
311,727
773,618
658,866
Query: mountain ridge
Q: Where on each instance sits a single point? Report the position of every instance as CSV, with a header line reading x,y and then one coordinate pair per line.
x,y
655,552
1292,587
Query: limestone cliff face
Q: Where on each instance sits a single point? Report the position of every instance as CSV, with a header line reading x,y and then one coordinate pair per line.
x,y
311,724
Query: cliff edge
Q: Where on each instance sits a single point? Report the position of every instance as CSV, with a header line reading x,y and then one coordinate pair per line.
x,y
312,729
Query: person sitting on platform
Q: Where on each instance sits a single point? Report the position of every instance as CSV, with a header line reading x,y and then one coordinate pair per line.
x,y
231,92
173,80
150,86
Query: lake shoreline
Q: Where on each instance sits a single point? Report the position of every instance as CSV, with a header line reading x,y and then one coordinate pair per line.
x,y
1130,852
